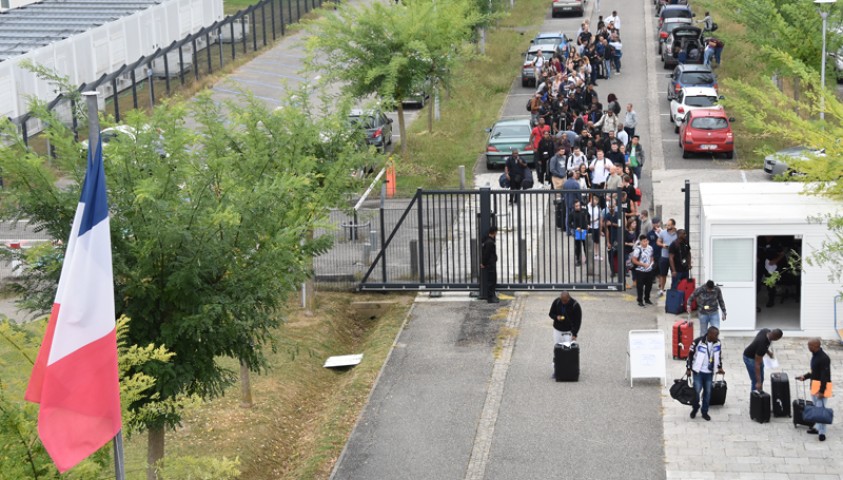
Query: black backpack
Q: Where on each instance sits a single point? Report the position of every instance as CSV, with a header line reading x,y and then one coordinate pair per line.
x,y
530,104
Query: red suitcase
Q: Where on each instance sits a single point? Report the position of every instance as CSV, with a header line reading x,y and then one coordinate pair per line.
x,y
683,336
688,286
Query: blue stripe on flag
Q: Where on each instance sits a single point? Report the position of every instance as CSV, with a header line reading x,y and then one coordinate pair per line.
x,y
93,191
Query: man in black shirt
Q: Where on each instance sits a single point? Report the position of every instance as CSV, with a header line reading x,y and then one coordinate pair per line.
x,y
516,169
680,258
566,315
753,356
820,376
488,265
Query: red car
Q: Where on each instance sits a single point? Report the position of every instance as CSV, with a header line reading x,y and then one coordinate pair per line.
x,y
707,131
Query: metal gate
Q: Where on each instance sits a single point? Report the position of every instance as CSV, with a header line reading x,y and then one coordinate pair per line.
x,y
435,244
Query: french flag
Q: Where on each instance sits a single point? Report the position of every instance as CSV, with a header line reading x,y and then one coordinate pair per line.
x,y
75,374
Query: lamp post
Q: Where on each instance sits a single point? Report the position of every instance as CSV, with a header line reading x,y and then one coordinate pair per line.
x,y
824,14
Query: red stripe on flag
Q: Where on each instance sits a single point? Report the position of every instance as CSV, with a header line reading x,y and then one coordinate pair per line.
x,y
36,380
80,402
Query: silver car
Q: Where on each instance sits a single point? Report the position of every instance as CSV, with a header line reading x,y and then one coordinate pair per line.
x,y
561,7
776,163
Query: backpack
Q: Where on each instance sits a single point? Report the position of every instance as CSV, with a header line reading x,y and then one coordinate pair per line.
x,y
616,108
530,104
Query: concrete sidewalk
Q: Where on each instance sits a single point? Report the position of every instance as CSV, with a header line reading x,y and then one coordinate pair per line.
x,y
451,405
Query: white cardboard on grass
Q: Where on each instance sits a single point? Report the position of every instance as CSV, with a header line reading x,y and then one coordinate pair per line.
x,y
646,355
340,361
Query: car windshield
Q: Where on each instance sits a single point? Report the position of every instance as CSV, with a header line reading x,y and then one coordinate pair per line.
x,y
710,123
677,13
511,131
697,78
701,101
367,121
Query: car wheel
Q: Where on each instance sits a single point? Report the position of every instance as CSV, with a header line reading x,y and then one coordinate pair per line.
x,y
660,48
675,128
525,83
730,155
489,165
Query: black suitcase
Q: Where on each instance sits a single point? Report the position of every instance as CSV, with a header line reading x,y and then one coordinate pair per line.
x,y
799,408
566,362
718,391
560,213
780,393
759,406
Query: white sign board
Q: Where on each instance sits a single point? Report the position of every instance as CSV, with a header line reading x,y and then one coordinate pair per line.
x,y
342,361
646,355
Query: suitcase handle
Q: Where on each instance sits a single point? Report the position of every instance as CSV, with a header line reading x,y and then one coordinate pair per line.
x,y
804,396
723,375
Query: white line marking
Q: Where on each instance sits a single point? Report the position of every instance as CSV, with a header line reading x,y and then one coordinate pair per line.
x,y
664,114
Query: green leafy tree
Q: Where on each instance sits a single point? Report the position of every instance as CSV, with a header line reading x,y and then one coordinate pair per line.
x,y
208,239
392,51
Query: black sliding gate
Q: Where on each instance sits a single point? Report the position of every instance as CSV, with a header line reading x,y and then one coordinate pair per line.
x,y
435,244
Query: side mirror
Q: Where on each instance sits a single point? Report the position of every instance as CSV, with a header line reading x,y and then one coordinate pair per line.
x,y
388,120
721,97
488,130
731,119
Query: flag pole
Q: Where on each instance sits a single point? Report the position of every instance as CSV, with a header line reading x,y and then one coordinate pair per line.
x,y
93,141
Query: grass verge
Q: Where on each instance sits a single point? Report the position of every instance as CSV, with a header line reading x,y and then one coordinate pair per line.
x,y
303,413
480,88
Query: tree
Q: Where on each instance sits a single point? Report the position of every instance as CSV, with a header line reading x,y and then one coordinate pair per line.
x,y
208,240
392,51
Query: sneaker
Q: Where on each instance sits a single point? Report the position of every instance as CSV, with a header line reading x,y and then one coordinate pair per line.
x,y
706,417
694,413
822,437
661,293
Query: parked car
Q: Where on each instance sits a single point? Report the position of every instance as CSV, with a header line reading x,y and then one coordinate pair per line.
x,y
527,76
556,39
668,27
684,42
126,133
684,76
376,125
777,163
707,131
674,11
506,136
692,98
561,7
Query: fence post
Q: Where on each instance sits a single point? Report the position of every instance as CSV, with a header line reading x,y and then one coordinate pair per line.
x,y
290,10
151,79
687,190
134,89
281,14
24,131
421,235
383,229
181,64
219,42
272,17
253,17
74,122
485,224
298,10
195,59
167,71
115,99
208,50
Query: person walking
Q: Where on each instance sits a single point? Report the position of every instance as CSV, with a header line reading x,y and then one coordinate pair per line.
x,y
557,166
489,264
578,224
636,155
666,238
708,298
820,377
642,260
679,253
753,356
630,121
566,314
516,170
704,355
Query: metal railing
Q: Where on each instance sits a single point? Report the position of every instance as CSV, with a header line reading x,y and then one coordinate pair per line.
x,y
153,77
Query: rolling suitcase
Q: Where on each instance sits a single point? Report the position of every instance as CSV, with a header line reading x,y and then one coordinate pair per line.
x,y
718,391
683,336
687,286
799,407
566,362
780,393
674,302
759,406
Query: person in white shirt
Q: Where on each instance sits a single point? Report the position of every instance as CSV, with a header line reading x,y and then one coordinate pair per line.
x,y
538,66
600,168
704,358
643,261
616,44
614,18
595,216
576,159
622,136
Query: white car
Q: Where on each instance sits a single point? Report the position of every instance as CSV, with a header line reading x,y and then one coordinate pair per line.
x,y
692,98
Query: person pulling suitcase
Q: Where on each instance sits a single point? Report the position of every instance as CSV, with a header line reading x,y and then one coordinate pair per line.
x,y
820,377
705,354
566,314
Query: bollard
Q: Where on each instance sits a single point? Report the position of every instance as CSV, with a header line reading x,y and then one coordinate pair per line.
x,y
462,177
522,258
473,258
373,238
414,258
367,253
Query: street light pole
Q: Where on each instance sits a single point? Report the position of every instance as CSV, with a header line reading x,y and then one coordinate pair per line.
x,y
824,15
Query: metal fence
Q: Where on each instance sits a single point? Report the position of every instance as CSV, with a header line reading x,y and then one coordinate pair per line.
x,y
150,78
16,237
434,244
